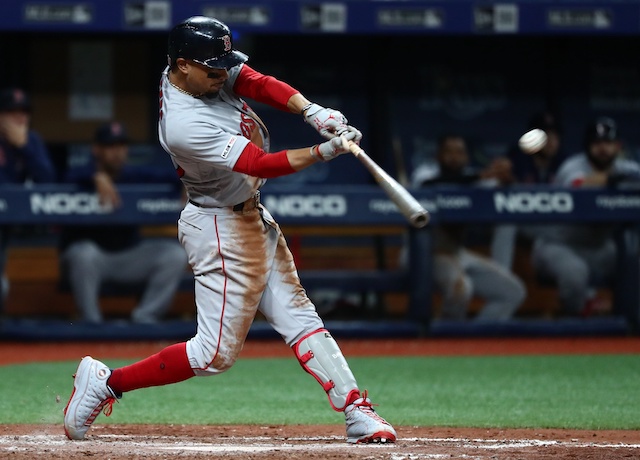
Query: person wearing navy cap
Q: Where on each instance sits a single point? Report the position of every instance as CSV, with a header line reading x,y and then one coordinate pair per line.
x,y
24,158
92,255
580,257
23,154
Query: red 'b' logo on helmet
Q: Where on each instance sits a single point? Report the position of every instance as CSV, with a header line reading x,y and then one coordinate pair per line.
x,y
227,42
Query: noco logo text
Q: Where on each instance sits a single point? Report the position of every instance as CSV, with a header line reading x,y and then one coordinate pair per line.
x,y
530,202
307,205
66,203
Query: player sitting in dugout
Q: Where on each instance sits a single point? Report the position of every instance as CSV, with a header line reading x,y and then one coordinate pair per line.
x,y
578,257
24,159
459,272
92,255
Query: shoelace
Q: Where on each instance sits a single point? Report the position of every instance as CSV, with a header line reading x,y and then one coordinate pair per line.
x,y
365,401
367,406
108,408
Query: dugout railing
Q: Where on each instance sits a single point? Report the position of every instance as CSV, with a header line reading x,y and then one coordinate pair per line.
x,y
367,211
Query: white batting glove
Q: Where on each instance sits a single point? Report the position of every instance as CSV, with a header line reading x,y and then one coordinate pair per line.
x,y
348,129
326,121
333,147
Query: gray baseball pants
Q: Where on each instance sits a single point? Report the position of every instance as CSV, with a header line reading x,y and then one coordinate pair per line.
x,y
462,275
573,268
157,264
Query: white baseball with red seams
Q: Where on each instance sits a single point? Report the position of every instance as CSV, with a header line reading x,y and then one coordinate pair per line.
x,y
532,141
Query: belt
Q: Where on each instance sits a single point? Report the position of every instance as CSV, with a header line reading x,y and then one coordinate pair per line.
x,y
247,205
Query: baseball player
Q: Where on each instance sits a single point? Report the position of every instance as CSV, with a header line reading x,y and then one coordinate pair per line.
x,y
238,254
573,255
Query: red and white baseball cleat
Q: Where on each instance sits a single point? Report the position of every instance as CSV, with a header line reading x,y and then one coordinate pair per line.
x,y
90,395
364,425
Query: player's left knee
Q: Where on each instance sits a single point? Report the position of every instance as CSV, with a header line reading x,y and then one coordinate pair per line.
x,y
209,360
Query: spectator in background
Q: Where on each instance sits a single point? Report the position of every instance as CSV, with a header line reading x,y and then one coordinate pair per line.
x,y
574,255
24,159
93,255
530,169
459,272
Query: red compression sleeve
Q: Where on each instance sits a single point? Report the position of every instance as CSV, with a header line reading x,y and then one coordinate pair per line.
x,y
263,88
258,163
171,365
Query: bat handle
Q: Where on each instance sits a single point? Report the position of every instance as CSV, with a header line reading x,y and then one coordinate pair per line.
x,y
351,146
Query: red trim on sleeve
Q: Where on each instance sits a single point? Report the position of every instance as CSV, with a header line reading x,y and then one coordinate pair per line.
x,y
258,163
577,182
263,88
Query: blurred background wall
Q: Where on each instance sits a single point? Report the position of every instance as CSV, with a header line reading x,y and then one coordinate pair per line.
x,y
407,70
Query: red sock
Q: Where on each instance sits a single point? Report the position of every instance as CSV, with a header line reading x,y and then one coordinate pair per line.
x,y
352,396
171,365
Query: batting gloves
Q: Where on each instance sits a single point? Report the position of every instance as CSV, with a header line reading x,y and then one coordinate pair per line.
x,y
326,121
333,147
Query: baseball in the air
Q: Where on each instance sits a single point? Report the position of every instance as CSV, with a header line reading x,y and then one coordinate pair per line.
x,y
532,141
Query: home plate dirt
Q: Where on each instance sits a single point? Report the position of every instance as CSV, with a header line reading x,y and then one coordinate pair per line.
x,y
118,442
155,442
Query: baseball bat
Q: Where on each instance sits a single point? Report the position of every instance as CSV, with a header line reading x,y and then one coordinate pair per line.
x,y
406,203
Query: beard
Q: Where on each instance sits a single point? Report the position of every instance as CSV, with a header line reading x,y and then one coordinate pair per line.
x,y
601,164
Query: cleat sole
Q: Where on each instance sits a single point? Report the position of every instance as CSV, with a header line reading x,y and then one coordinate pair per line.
x,y
381,437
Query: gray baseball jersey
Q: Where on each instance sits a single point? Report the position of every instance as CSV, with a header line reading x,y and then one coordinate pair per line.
x,y
573,170
577,167
240,259
205,136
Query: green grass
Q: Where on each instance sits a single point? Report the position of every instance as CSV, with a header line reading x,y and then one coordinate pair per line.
x,y
590,392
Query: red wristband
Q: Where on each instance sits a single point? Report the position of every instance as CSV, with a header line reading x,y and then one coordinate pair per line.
x,y
315,153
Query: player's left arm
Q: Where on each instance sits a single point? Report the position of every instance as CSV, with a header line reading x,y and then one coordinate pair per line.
x,y
264,89
282,96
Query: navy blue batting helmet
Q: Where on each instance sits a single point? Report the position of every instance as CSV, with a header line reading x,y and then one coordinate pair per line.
x,y
206,41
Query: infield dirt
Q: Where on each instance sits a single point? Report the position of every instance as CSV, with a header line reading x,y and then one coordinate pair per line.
x,y
118,442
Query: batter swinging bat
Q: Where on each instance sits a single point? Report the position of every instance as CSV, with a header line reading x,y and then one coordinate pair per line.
x,y
408,205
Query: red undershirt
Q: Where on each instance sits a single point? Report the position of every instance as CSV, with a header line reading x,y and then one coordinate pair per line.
x,y
267,90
